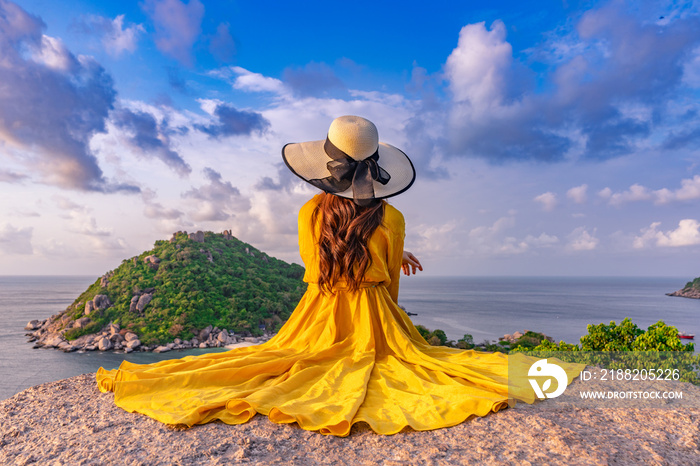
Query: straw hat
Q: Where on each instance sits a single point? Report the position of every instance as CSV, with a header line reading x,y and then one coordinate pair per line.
x,y
351,162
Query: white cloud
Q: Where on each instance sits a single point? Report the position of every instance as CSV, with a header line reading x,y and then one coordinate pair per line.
x,y
582,240
476,68
635,193
548,200
578,193
687,234
256,82
118,39
689,190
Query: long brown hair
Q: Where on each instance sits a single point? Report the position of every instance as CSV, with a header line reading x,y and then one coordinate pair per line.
x,y
345,230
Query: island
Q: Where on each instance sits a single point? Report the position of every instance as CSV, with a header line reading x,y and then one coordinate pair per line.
x,y
196,290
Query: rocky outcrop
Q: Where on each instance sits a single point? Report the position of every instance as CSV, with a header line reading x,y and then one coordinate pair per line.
x,y
152,261
688,292
44,334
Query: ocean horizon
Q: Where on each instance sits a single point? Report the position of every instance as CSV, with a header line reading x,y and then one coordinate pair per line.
x,y
484,307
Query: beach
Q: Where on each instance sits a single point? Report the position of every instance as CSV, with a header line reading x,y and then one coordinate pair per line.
x,y
70,421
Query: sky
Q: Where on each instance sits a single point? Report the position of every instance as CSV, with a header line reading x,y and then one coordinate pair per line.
x,y
549,137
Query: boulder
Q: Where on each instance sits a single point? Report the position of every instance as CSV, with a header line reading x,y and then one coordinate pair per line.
x,y
223,336
82,322
152,261
104,344
89,307
134,302
131,336
197,237
204,333
202,345
133,344
101,301
161,349
112,328
33,325
143,301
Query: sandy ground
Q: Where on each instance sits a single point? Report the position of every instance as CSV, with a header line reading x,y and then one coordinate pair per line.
x,y
71,422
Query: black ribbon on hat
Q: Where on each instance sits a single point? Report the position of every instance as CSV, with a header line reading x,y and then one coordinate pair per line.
x,y
346,171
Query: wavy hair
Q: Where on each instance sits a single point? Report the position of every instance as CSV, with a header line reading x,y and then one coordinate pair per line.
x,y
345,230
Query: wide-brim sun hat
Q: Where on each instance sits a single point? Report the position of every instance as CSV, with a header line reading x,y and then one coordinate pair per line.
x,y
351,162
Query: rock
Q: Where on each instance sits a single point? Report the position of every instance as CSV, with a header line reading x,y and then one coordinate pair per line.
x,y
104,344
161,349
143,301
197,237
204,333
223,336
131,336
89,307
101,301
202,345
90,348
227,234
134,302
152,261
33,325
133,344
128,350
693,293
116,338
112,328
53,341
82,322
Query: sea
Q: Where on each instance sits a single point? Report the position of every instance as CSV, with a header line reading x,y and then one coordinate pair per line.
x,y
484,307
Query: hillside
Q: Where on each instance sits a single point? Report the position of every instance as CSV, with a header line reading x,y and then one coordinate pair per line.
x,y
181,289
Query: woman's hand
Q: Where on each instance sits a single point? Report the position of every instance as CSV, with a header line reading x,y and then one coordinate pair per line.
x,y
409,263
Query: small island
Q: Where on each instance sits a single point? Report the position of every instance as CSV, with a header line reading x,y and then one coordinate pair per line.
x,y
690,290
196,290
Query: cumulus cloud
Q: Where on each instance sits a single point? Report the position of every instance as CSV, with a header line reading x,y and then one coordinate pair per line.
x,y
229,121
588,105
249,81
217,200
578,194
178,26
548,200
148,137
494,239
15,240
689,190
582,240
687,234
116,37
58,102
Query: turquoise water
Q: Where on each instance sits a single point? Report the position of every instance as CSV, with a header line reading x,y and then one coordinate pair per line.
x,y
486,308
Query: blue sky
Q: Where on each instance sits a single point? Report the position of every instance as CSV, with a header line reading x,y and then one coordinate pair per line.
x,y
550,138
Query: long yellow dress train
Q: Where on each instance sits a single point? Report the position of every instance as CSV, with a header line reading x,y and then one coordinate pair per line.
x,y
341,358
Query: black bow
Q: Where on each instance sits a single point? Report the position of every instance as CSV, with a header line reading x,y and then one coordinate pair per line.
x,y
346,171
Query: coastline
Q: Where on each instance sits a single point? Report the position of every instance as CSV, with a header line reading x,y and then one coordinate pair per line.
x,y
70,421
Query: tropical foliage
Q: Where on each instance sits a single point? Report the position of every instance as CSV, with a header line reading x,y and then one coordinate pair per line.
x,y
221,282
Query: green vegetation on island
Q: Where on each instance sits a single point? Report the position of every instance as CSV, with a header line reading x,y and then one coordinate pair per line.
x,y
188,283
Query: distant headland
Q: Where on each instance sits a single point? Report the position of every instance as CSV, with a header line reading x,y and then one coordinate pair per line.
x,y
690,290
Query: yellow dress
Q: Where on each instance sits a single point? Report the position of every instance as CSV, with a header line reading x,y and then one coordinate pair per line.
x,y
341,358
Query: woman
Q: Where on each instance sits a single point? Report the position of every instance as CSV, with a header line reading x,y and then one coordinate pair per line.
x,y
348,353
